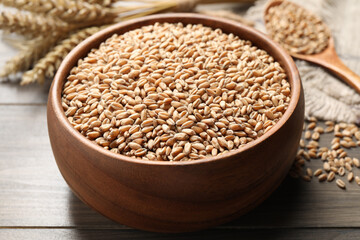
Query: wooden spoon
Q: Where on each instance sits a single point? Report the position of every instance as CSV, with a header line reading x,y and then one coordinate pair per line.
x,y
327,58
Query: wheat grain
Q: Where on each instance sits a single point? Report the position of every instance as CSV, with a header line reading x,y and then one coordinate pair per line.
x,y
331,177
322,177
326,166
315,136
306,178
335,160
320,130
356,162
341,171
311,125
340,183
296,29
348,166
357,180
302,143
179,92
309,172
318,172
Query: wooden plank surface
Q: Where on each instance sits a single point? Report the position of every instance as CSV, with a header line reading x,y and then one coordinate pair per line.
x,y
33,193
10,92
36,203
215,234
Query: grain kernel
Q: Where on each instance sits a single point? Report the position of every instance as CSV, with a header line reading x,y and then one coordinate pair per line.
x,y
317,172
311,125
341,171
331,177
315,136
357,180
309,172
340,183
152,100
322,177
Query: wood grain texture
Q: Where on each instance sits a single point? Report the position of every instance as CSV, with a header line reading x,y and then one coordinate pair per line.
x,y
331,61
32,191
34,194
10,91
214,234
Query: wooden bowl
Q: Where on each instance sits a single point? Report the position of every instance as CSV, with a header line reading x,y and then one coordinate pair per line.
x,y
176,196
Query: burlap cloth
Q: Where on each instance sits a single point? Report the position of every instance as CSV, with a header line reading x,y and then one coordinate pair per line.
x,y
327,97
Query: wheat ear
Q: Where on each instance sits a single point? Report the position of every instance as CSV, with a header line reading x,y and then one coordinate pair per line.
x,y
66,10
47,66
15,64
30,52
30,25
105,3
160,6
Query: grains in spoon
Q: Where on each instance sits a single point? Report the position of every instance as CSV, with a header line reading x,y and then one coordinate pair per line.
x,y
297,29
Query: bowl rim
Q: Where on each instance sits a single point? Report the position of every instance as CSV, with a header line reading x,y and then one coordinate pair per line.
x,y
64,69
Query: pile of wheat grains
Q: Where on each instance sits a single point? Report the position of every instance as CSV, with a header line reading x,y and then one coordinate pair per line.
x,y
170,92
296,29
337,164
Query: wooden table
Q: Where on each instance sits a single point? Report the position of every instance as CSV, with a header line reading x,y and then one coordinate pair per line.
x,y
36,203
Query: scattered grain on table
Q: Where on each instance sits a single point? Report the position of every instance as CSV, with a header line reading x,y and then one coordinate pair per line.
x,y
337,162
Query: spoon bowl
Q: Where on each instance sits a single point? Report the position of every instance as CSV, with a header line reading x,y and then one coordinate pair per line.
x,y
327,58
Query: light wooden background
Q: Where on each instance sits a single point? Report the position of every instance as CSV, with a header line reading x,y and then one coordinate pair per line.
x,y
35,202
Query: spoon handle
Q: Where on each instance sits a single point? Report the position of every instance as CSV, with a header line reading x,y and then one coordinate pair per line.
x,y
333,63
